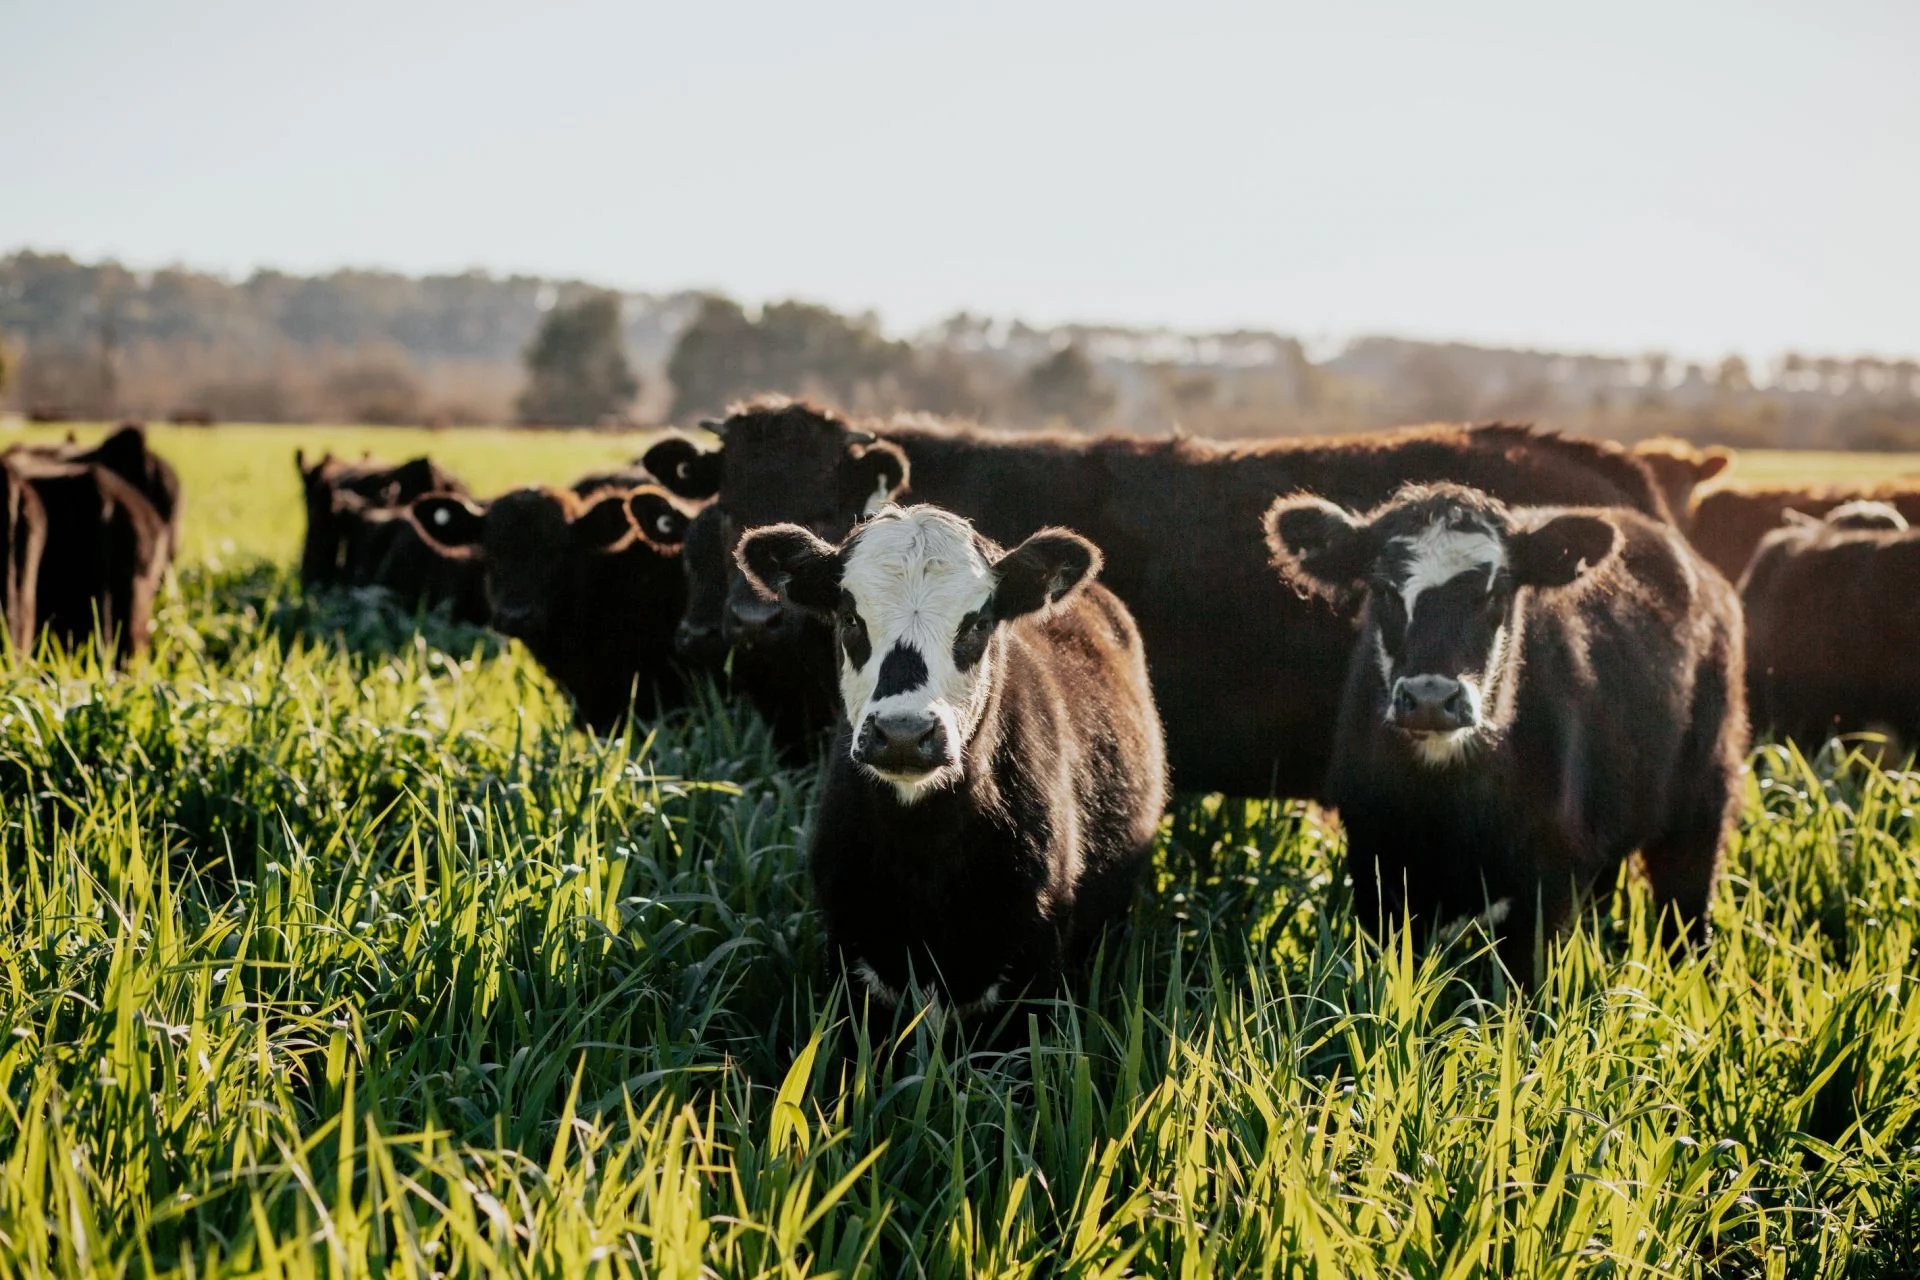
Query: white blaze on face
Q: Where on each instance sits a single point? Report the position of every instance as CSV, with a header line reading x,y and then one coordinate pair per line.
x,y
914,576
1441,553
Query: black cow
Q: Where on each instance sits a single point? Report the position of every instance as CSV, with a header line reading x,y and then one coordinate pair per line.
x,y
330,522
104,556
1534,696
592,586
1247,678
1833,627
126,453
382,548
998,775
23,541
793,686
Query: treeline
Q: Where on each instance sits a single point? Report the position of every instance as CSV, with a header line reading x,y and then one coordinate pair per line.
x,y
98,340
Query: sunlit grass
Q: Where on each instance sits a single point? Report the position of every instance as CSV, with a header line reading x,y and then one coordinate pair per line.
x,y
327,948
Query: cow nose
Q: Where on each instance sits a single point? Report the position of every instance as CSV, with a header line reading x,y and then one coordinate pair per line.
x,y
903,742
696,639
1432,704
751,622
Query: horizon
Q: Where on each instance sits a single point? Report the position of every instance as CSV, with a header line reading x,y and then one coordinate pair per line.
x,y
1700,183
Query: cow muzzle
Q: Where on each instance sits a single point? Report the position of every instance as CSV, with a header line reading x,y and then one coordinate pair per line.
x,y
1433,704
751,623
903,743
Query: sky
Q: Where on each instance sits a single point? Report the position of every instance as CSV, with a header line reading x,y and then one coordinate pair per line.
x,y
1697,177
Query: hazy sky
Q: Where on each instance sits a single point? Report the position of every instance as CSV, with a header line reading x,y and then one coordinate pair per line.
x,y
1699,175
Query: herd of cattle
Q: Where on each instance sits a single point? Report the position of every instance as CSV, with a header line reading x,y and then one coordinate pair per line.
x,y
1510,658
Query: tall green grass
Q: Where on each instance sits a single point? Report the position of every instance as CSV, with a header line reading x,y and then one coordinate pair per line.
x,y
327,948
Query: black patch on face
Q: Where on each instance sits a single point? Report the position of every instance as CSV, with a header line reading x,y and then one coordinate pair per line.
x,y
853,637
970,641
902,671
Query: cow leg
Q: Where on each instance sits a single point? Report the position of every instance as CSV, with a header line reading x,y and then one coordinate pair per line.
x,y
1683,863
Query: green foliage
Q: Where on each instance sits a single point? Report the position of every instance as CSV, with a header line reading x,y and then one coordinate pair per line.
x,y
327,948
577,366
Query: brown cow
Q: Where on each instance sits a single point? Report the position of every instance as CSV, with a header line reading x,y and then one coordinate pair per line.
x,y
1833,627
23,540
104,557
592,586
323,557
1247,675
1728,521
1679,468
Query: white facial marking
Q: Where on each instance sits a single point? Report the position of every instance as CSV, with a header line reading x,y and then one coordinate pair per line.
x,y
878,499
914,575
1440,554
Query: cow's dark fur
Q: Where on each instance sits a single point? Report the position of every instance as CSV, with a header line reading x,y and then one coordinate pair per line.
x,y
330,523
792,685
592,586
126,453
1597,662
1728,521
1833,629
983,887
382,548
1246,676
104,556
23,541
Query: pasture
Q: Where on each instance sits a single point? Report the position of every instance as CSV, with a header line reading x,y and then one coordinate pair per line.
x,y
328,948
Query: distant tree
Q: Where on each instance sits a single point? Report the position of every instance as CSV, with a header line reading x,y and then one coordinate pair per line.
x,y
5,370
793,347
1732,375
576,366
1066,385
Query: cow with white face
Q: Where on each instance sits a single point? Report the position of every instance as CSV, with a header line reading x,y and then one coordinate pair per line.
x,y
999,774
1535,695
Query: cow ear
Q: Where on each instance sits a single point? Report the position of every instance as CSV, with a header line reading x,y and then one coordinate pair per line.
x,y
875,473
1318,547
604,525
657,518
1791,517
1560,550
447,520
1712,463
683,467
787,562
1042,573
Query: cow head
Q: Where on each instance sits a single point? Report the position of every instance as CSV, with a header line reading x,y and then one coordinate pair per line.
x,y
918,601
1440,568
529,537
1678,468
683,467
789,463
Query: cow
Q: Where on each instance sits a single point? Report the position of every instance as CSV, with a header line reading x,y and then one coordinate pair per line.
x,y
1535,695
126,453
1833,624
998,774
329,522
1679,468
103,559
1247,677
592,586
794,688
23,540
1728,521
383,549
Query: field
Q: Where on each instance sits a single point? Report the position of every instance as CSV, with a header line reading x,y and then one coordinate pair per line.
x,y
326,948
